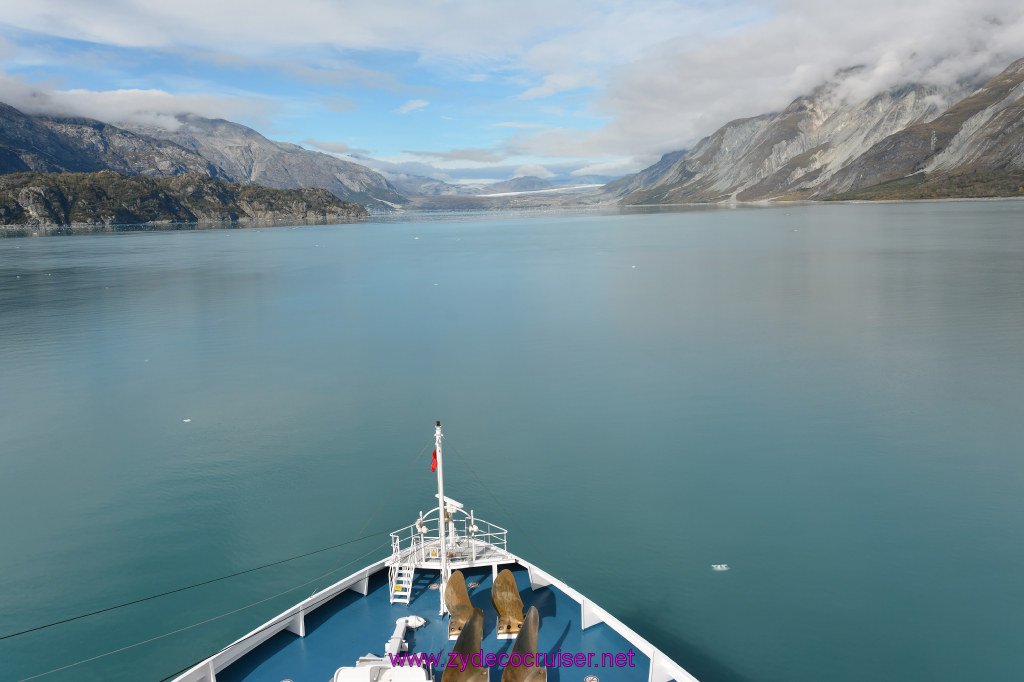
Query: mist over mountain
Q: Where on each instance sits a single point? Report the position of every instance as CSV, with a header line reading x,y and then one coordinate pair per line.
x,y
983,132
829,142
51,144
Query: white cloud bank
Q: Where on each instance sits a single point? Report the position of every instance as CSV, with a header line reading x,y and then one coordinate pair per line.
x,y
682,90
145,107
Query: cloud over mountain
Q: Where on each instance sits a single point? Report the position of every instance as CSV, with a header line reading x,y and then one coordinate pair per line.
x,y
598,83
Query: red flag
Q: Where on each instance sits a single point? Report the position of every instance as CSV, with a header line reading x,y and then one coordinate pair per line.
x,y
433,465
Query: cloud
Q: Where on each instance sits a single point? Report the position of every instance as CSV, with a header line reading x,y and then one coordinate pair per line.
x,y
337,73
488,31
412,105
532,169
557,82
335,147
611,168
143,107
476,174
517,124
662,73
684,88
338,104
478,155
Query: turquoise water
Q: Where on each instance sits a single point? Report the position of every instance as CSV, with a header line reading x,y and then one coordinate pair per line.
x,y
827,398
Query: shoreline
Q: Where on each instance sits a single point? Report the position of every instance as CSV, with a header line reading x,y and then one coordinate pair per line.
x,y
13,231
74,229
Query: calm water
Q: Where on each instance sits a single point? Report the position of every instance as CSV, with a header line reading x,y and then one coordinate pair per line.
x,y
827,398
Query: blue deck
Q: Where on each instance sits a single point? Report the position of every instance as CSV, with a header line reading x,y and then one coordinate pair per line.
x,y
352,625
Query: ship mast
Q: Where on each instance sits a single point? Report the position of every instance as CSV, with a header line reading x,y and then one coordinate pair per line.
x,y
441,516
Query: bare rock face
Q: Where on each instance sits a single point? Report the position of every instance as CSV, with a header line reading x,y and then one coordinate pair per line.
x,y
45,144
246,156
824,144
40,204
214,148
984,131
648,176
789,154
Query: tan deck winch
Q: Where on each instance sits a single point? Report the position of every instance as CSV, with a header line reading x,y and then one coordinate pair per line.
x,y
456,599
508,604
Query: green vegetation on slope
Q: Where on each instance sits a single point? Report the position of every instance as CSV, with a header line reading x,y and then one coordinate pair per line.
x,y
107,198
1002,182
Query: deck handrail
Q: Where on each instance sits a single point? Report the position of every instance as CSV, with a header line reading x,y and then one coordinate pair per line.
x,y
412,543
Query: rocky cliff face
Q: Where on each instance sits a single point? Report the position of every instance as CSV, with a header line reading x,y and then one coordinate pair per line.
x,y
645,178
218,149
982,132
246,156
44,144
823,145
792,154
97,201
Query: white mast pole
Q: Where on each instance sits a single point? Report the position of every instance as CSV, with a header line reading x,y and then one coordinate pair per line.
x,y
441,516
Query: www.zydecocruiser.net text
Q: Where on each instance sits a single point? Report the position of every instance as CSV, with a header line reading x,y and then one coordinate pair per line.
x,y
480,659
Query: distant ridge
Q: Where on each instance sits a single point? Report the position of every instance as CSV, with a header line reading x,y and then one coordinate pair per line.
x,y
244,155
215,148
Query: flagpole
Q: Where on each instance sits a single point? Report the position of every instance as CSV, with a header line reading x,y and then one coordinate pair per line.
x,y
441,515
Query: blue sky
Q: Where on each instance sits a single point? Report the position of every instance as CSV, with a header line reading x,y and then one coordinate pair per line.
x,y
464,89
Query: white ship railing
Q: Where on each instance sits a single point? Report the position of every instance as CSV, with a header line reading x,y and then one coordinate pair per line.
x,y
467,538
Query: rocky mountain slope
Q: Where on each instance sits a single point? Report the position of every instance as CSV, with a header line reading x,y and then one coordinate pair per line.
x,y
983,132
823,144
47,202
218,149
419,185
44,144
246,156
648,177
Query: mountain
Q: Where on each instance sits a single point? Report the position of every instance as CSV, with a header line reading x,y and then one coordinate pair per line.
x,y
46,144
824,144
48,202
645,178
215,148
244,155
526,183
983,132
418,184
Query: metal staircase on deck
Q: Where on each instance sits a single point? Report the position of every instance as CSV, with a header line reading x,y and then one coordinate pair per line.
x,y
468,542
401,583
